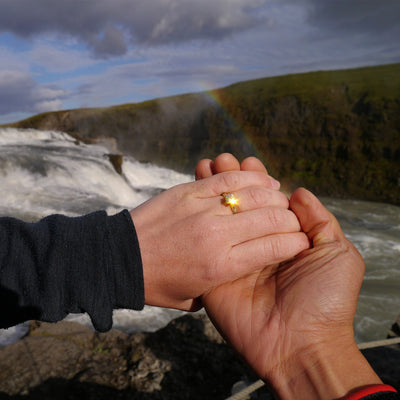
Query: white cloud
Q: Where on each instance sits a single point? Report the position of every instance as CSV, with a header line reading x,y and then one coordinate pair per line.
x,y
45,93
19,92
56,57
12,61
47,105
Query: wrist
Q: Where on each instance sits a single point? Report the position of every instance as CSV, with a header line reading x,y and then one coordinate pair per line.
x,y
329,371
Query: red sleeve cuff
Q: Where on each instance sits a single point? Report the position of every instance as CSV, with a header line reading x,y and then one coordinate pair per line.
x,y
368,391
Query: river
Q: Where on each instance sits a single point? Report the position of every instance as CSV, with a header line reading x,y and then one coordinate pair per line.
x,y
43,172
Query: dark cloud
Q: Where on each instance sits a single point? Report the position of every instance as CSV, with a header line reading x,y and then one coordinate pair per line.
x,y
21,93
15,89
343,17
106,26
110,43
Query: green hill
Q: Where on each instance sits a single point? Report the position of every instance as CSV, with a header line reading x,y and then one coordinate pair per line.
x,y
335,132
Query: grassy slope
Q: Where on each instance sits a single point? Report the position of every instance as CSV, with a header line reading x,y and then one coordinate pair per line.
x,y
336,132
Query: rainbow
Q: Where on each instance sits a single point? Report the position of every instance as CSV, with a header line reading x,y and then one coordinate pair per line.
x,y
215,97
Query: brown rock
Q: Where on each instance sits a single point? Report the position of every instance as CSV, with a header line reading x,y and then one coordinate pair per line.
x,y
62,350
116,160
395,330
186,359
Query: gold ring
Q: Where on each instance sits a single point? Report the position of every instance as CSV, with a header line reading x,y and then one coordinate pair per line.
x,y
231,201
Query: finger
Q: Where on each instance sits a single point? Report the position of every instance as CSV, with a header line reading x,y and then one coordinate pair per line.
x,y
230,182
316,221
204,169
256,254
254,198
253,164
225,162
259,223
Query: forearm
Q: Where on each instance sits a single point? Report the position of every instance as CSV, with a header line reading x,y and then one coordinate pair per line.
x,y
63,265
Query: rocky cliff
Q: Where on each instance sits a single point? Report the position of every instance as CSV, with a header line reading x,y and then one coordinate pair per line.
x,y
335,132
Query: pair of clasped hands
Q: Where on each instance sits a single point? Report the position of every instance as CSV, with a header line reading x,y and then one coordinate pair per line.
x,y
278,278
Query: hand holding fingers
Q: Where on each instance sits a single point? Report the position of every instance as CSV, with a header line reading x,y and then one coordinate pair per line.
x,y
249,311
289,310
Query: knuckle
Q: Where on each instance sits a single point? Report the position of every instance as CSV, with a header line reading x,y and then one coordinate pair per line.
x,y
273,249
275,218
283,200
258,197
230,180
283,220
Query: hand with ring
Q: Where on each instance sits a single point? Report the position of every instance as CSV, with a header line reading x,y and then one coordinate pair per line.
x,y
191,242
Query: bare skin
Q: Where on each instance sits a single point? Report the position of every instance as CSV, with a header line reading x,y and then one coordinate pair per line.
x,y
190,242
227,162
292,322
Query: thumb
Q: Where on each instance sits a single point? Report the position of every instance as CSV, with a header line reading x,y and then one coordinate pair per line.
x,y
315,220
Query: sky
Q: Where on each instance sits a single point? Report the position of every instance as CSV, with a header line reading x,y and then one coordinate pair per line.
x,y
64,54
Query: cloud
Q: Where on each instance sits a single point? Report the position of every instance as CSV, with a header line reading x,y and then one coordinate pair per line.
x,y
55,57
19,92
177,21
11,61
107,27
367,17
345,34
153,48
110,43
160,72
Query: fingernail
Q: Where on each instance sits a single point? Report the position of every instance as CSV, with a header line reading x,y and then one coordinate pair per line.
x,y
275,184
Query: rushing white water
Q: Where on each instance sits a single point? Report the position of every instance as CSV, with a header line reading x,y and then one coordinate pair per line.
x,y
374,228
45,172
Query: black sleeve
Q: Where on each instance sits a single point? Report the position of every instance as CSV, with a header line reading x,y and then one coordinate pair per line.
x,y
63,265
382,396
